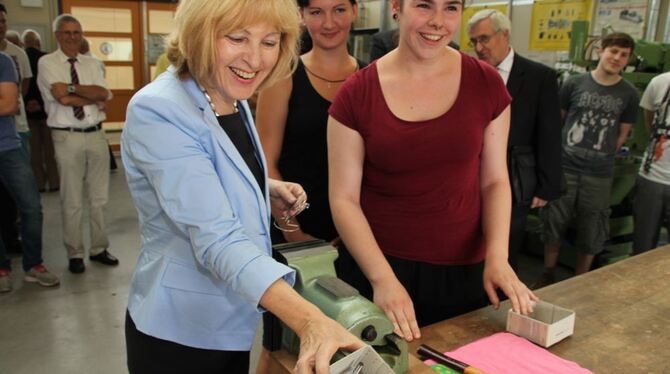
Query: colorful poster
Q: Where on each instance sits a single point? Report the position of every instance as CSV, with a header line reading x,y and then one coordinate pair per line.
x,y
627,16
552,20
470,11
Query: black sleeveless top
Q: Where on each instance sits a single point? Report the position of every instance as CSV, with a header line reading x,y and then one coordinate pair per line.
x,y
304,154
234,126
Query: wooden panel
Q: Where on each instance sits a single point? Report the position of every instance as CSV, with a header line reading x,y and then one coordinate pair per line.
x,y
161,21
89,12
104,19
622,320
120,78
111,48
116,108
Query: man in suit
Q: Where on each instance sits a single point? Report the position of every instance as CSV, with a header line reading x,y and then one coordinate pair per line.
x,y
535,128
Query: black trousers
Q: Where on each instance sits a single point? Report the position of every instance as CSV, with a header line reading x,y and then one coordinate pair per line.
x,y
147,355
517,235
9,230
438,292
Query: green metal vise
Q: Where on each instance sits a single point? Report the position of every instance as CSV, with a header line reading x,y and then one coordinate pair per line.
x,y
317,282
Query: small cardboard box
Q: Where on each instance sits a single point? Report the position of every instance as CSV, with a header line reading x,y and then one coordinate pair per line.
x,y
546,326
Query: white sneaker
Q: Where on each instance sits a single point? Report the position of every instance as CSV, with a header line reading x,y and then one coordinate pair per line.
x,y
40,274
5,281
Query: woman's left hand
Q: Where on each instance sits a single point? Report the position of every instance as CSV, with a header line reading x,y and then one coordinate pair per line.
x,y
499,274
287,198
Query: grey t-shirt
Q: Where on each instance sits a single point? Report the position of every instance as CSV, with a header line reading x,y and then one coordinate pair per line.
x,y
656,98
591,129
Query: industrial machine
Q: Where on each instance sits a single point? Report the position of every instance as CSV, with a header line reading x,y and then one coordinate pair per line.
x,y
648,60
317,282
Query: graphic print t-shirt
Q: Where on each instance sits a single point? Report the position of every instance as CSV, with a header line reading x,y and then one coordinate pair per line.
x,y
656,98
591,129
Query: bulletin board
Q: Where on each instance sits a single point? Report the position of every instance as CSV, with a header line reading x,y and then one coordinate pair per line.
x,y
470,11
552,20
629,16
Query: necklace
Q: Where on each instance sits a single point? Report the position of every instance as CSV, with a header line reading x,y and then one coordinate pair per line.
x,y
211,104
328,81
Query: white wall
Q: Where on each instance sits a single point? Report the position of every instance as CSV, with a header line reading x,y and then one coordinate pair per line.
x,y
521,16
38,18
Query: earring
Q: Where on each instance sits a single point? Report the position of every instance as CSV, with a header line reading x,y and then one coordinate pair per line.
x,y
395,16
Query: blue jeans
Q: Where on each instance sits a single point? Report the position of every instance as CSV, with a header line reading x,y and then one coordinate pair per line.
x,y
18,179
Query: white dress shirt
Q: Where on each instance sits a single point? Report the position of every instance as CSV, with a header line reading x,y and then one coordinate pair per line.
x,y
505,66
55,67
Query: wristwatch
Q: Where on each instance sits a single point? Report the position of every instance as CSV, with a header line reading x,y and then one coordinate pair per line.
x,y
70,88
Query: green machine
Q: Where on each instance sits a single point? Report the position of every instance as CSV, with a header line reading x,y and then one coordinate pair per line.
x,y
317,282
648,60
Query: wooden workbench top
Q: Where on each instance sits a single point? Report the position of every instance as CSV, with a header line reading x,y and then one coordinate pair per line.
x,y
622,320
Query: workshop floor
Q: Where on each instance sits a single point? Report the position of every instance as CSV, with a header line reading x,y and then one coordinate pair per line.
x,y
77,327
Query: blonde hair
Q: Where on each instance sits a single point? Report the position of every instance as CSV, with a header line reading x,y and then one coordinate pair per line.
x,y
191,47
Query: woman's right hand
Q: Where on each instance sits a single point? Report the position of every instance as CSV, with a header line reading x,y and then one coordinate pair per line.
x,y
391,296
320,338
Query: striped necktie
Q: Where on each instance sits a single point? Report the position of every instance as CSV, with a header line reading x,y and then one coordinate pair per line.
x,y
78,110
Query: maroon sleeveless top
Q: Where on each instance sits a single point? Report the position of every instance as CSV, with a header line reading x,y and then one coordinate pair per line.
x,y
420,190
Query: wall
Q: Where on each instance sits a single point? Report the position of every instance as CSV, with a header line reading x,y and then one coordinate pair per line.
x,y
38,19
521,15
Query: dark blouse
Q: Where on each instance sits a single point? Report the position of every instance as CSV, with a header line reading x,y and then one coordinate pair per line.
x,y
234,126
304,154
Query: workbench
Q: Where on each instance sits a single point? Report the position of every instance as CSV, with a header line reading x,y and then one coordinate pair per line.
x,y
622,320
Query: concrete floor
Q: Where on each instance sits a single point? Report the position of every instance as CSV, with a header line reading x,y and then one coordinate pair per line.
x,y
78,327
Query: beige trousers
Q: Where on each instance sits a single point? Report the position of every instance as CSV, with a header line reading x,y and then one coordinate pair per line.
x,y
83,163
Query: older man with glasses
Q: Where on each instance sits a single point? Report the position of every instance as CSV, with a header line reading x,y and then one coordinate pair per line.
x,y
534,146
74,92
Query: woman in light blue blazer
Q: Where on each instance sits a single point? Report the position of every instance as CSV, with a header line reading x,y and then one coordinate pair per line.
x,y
198,178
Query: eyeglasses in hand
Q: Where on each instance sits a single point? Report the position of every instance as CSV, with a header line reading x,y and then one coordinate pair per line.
x,y
288,225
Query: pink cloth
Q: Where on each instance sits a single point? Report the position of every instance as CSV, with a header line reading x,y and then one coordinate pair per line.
x,y
504,353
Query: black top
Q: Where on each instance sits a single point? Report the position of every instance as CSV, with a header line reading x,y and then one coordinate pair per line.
x,y
34,56
536,122
233,125
304,154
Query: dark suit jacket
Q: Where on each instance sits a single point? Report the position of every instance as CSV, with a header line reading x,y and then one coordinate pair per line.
x,y
34,56
536,121
384,41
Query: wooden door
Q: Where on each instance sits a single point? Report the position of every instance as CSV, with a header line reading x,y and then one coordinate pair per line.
x,y
114,32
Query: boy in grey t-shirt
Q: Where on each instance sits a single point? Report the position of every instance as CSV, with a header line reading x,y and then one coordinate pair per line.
x,y
597,122
598,109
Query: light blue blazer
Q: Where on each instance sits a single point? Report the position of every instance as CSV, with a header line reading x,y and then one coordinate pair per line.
x,y
205,258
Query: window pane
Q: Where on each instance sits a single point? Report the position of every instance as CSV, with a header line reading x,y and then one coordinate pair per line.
x,y
161,21
112,126
111,49
104,19
120,78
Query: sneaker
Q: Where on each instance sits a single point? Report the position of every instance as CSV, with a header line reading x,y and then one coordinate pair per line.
x,y
544,280
5,281
40,274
